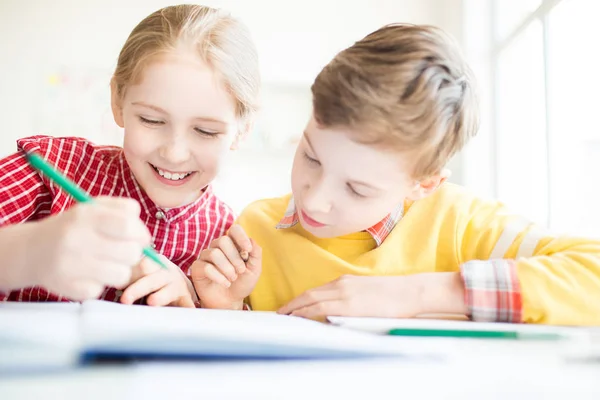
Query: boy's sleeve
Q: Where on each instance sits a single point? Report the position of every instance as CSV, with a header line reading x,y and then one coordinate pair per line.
x,y
515,271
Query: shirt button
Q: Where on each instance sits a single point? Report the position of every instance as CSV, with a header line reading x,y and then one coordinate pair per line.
x,y
160,215
153,245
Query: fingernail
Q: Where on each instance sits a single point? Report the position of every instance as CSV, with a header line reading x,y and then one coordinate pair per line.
x,y
244,254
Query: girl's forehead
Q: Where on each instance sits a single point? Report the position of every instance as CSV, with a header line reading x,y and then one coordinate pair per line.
x,y
183,86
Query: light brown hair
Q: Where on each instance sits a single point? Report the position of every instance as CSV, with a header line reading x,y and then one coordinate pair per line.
x,y
402,87
219,39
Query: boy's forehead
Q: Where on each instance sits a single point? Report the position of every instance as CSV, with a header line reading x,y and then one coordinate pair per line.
x,y
338,148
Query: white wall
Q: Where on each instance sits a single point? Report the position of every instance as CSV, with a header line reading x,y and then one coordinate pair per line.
x,y
57,58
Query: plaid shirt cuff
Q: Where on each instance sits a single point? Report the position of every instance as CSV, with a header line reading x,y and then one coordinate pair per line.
x,y
492,290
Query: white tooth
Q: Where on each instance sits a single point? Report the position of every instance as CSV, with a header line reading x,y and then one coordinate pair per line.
x,y
174,176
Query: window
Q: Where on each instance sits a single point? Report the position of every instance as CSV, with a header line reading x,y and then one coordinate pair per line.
x,y
546,99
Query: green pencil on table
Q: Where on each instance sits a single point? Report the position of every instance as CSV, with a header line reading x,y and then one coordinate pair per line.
x,y
78,194
475,334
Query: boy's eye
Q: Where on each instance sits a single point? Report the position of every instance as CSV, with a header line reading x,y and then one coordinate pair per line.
x,y
150,121
310,159
353,192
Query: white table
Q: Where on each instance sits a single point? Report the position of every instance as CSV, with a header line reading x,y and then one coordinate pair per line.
x,y
475,370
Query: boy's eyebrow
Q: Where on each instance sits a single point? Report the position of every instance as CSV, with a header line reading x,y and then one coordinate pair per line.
x,y
350,182
160,110
308,141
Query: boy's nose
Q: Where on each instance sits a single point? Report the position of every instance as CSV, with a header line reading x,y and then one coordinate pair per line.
x,y
317,200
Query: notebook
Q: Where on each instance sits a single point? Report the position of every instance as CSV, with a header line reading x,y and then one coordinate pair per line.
x,y
45,335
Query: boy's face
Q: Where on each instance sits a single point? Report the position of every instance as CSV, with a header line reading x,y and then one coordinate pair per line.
x,y
341,186
179,124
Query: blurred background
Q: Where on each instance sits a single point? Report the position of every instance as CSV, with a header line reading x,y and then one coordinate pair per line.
x,y
535,60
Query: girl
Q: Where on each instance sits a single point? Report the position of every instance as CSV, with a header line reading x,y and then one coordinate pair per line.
x,y
185,90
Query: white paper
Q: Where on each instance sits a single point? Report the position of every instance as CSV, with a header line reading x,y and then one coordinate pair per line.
x,y
109,324
384,325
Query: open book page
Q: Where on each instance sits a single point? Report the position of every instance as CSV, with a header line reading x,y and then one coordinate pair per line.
x,y
109,325
38,336
52,324
41,306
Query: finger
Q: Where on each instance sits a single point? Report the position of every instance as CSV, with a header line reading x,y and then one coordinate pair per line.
x,y
210,272
164,296
148,266
254,257
229,249
113,274
309,298
321,310
186,302
84,289
145,286
124,252
104,273
116,224
241,240
217,258
170,295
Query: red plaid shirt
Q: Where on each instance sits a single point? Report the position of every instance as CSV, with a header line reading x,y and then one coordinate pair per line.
x,y
492,288
25,195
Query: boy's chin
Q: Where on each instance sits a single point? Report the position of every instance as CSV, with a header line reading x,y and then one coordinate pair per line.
x,y
327,232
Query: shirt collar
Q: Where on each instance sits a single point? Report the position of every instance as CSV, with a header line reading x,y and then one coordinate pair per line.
x,y
149,209
379,231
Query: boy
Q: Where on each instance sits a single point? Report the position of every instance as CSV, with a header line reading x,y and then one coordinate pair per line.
x,y
371,229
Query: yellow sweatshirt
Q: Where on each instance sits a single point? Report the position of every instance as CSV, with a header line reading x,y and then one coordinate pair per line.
x,y
532,275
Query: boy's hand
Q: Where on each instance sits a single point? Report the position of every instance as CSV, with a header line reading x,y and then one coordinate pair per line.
x,y
226,272
90,246
166,287
358,296
381,296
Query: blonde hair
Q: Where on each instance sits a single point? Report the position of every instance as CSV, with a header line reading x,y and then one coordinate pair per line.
x,y
220,40
402,87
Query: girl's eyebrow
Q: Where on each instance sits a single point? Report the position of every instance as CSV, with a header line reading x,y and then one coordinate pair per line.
x,y
160,110
153,107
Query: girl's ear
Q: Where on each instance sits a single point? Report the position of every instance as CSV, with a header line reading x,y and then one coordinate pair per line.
x,y
115,104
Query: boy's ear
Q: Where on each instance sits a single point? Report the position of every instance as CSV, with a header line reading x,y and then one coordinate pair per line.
x,y
428,185
243,132
115,104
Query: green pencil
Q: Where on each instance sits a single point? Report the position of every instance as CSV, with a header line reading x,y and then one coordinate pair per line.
x,y
78,194
482,334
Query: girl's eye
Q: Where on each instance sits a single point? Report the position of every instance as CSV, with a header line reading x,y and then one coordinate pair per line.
x,y
206,132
